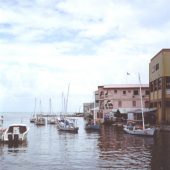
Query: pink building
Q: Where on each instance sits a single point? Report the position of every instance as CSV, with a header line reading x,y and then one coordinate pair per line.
x,y
125,97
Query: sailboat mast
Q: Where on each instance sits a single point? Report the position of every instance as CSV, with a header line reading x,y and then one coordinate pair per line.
x,y
67,98
35,106
50,105
143,121
94,112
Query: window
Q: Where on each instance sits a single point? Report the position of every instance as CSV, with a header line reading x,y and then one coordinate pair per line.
x,y
168,82
135,92
124,92
159,83
151,86
134,103
115,91
157,66
155,84
147,92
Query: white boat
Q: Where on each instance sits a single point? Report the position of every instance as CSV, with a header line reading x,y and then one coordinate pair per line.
x,y
51,119
15,133
134,130
68,125
40,120
33,118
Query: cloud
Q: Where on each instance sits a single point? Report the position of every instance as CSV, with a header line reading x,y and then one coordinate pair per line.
x,y
45,45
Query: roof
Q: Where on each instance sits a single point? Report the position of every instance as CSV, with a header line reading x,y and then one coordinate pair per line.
x,y
163,50
125,86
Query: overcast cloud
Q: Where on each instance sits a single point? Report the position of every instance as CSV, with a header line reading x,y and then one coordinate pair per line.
x,y
47,44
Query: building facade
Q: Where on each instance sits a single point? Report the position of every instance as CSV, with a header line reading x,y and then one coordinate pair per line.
x,y
159,84
122,97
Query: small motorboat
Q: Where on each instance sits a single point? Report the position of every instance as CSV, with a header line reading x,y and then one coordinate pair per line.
x,y
15,133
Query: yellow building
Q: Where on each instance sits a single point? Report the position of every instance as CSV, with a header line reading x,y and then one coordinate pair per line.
x,y
159,84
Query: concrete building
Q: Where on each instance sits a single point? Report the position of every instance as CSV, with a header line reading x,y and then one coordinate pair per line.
x,y
124,97
159,83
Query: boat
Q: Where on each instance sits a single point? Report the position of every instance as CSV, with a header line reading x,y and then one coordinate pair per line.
x,y
1,121
92,126
40,120
33,118
15,133
68,125
51,119
136,130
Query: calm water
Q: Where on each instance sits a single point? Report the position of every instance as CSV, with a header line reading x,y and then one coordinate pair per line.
x,y
47,149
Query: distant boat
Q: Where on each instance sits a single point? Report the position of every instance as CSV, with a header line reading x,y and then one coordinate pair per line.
x,y
40,120
68,125
51,119
135,130
15,133
1,121
33,118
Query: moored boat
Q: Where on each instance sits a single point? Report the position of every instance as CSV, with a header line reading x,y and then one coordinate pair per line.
x,y
134,129
40,121
92,126
68,125
15,133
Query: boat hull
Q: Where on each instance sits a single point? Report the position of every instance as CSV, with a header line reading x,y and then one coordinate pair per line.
x,y
92,127
67,126
15,133
140,132
71,130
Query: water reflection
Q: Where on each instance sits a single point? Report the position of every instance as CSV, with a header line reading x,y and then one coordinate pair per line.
x,y
119,150
110,148
161,152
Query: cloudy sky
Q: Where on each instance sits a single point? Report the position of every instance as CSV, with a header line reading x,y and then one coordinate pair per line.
x,y
45,45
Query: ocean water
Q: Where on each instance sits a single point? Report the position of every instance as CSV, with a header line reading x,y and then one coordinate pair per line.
x,y
47,148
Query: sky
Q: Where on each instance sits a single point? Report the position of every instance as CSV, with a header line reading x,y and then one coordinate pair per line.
x,y
47,46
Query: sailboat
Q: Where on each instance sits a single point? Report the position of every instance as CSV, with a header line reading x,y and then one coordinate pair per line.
x,y
133,130
51,119
66,124
33,118
92,125
40,120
